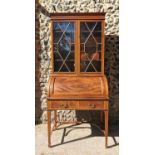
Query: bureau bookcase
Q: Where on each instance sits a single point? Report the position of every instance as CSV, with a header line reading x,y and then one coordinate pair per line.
x,y
77,81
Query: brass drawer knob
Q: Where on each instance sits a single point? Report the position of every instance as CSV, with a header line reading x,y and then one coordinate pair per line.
x,y
92,105
64,105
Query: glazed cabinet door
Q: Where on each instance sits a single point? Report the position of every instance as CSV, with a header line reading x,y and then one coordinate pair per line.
x,y
90,46
64,46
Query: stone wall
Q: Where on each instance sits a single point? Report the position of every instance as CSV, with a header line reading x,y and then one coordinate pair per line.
x,y
43,49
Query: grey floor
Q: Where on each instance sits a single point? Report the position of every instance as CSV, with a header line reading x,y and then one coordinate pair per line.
x,y
82,139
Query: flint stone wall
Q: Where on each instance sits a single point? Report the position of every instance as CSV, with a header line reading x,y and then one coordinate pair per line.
x,y
43,57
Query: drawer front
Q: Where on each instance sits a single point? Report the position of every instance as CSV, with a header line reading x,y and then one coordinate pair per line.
x,y
91,105
63,105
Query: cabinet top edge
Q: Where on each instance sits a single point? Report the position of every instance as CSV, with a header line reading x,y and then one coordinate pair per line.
x,y
90,15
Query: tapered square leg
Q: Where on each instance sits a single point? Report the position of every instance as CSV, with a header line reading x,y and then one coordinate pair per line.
x,y
106,128
49,127
101,118
55,119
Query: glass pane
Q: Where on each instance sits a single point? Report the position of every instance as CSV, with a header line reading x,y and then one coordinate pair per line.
x,y
84,35
97,36
90,46
97,64
64,45
57,65
91,25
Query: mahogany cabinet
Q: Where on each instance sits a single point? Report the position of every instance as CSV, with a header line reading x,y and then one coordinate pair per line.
x,y
77,81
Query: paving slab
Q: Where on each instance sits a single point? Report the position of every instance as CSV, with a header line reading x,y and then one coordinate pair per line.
x,y
82,139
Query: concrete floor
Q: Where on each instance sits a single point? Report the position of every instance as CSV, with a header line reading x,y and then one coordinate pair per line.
x,y
82,139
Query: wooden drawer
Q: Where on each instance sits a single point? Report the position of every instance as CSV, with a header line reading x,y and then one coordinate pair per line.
x,y
91,105
63,105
